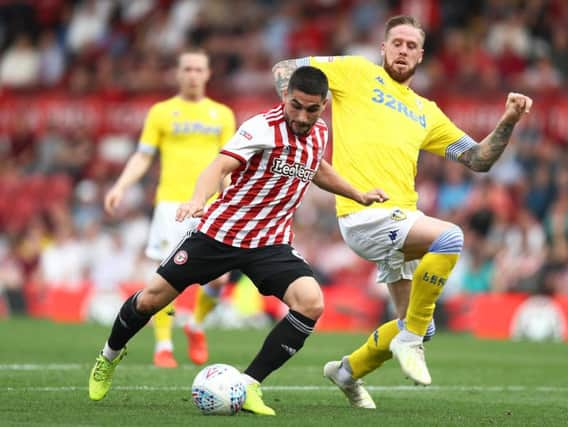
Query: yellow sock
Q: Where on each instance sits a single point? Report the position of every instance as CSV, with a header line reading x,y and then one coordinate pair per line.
x,y
375,351
163,321
427,284
203,306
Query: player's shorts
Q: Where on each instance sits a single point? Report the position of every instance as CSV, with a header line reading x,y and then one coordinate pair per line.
x,y
199,259
165,231
378,235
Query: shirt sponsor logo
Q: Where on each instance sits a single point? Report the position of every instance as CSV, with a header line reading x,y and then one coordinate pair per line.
x,y
294,170
188,127
391,102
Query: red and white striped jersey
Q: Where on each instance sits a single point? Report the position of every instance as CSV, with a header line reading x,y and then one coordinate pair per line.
x,y
276,168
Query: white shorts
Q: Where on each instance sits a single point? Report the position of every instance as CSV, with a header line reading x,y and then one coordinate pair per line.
x,y
378,235
165,231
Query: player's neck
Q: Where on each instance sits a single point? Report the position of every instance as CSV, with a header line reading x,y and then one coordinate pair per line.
x,y
192,96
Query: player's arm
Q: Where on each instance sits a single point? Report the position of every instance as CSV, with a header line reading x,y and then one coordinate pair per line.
x,y
207,184
282,72
137,165
482,156
329,180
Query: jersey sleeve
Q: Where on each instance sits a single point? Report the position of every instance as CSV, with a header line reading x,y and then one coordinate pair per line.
x,y
444,138
339,70
151,134
227,126
251,138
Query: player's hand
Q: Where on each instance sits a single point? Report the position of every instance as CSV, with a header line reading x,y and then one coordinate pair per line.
x,y
189,209
113,199
376,195
516,105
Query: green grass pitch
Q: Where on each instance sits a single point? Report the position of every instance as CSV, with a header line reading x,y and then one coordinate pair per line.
x,y
44,370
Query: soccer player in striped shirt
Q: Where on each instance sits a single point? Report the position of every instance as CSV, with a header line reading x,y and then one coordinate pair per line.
x,y
271,160
187,130
380,125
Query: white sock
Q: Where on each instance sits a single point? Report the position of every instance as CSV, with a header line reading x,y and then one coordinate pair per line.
x,y
247,380
345,373
165,345
406,336
109,353
193,325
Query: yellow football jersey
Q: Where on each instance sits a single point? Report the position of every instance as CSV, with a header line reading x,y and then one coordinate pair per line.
x,y
379,127
188,135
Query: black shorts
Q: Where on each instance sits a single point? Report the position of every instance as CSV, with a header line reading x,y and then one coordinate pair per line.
x,y
200,259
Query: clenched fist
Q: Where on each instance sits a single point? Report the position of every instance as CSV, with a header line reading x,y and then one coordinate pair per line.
x,y
515,106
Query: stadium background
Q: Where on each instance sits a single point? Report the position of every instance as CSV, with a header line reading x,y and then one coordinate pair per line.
x,y
77,78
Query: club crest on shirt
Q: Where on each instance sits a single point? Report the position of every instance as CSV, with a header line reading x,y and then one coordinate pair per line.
x,y
398,215
180,257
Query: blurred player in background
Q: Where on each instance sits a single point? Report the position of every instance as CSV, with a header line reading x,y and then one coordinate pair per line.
x,y
379,127
188,130
272,160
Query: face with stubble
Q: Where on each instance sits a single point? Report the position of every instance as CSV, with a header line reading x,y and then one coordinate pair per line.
x,y
402,52
302,110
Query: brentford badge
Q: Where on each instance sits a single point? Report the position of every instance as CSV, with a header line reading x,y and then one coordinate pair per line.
x,y
180,257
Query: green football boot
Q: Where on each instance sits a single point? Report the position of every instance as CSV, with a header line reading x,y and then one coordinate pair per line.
x,y
101,375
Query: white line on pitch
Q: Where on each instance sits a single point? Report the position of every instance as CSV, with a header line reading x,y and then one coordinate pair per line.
x,y
512,388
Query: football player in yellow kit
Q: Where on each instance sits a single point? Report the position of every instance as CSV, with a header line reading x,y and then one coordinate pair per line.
x,y
380,125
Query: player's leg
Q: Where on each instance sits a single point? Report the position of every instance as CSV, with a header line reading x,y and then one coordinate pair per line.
x,y
439,244
305,300
164,234
348,372
134,314
164,349
206,301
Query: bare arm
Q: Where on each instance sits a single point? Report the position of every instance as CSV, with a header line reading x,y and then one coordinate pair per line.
x,y
329,180
207,184
481,157
282,72
137,165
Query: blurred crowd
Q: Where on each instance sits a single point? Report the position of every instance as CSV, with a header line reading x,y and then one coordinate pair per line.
x,y
53,231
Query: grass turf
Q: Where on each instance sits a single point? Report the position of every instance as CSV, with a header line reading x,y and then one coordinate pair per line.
x,y
44,370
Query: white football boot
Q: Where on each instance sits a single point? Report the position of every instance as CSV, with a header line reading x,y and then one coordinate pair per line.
x,y
410,356
354,391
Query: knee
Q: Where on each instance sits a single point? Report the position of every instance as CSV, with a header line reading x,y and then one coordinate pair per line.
x,y
311,306
450,241
147,303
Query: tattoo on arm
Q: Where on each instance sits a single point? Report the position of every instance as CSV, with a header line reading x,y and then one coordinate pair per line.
x,y
282,73
481,157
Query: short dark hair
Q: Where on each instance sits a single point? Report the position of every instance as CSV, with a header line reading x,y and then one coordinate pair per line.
x,y
395,21
309,80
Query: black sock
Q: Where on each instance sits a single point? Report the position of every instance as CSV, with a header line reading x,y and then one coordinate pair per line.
x,y
128,322
285,340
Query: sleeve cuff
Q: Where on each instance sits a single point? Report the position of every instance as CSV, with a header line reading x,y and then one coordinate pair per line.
x,y
234,156
456,149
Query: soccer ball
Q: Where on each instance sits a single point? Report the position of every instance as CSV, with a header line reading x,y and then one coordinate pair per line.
x,y
218,390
